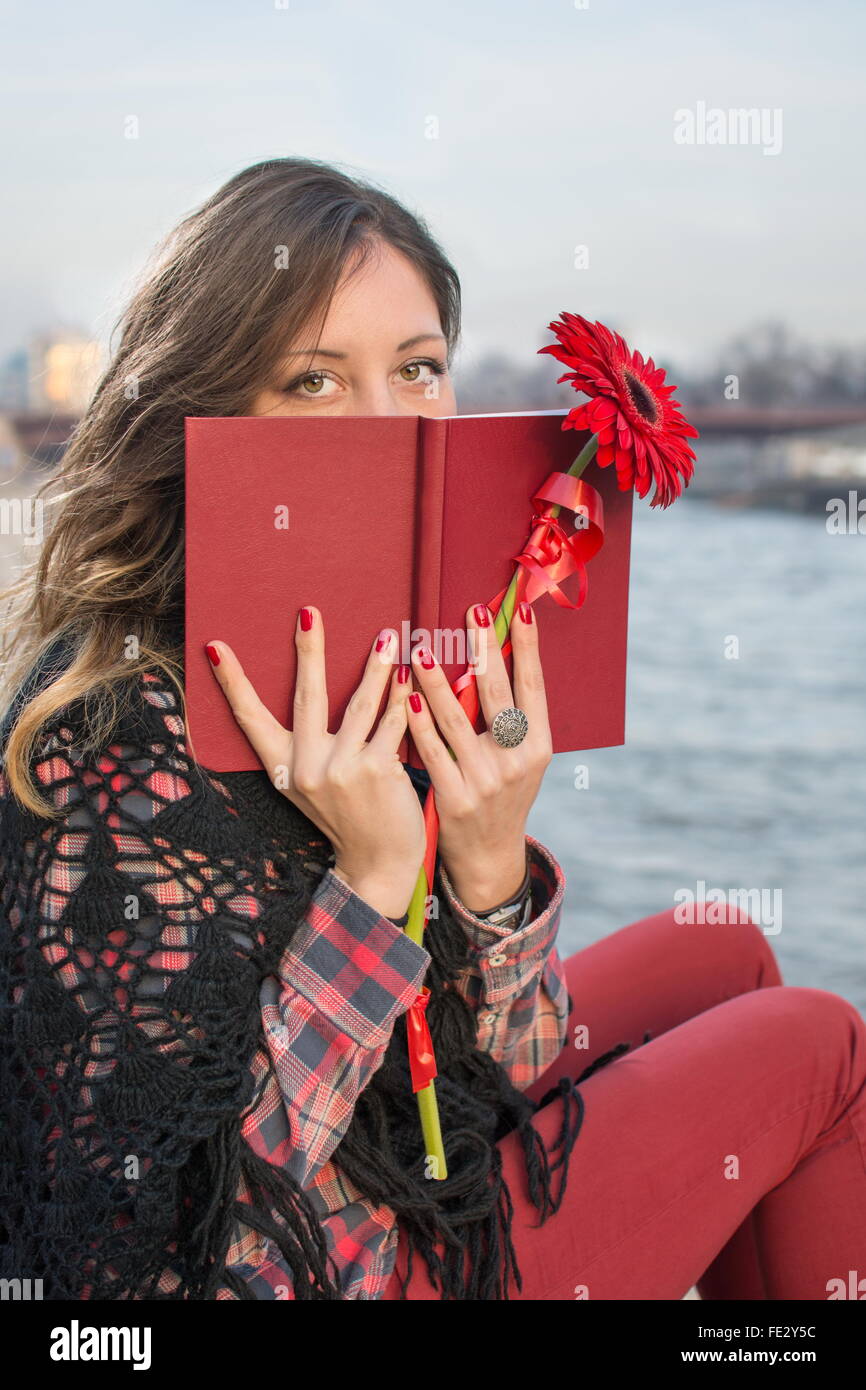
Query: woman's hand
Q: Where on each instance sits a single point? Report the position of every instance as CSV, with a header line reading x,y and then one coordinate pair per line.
x,y
356,791
483,798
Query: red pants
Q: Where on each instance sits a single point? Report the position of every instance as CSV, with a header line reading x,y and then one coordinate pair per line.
x,y
727,1152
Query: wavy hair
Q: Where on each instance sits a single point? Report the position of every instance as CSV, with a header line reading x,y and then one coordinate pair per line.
x,y
201,334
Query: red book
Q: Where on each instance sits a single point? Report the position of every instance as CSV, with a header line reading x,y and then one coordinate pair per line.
x,y
387,521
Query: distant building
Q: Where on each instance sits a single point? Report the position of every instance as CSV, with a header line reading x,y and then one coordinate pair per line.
x,y
839,454
64,369
15,381
12,456
56,371
796,472
41,436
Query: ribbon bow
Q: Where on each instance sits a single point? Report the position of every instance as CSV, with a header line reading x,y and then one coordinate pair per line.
x,y
549,556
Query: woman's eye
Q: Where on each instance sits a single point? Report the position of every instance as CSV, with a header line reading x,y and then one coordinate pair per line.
x,y
415,369
312,384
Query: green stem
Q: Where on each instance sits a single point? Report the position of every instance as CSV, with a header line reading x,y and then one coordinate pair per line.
x,y
415,926
428,1110
434,1148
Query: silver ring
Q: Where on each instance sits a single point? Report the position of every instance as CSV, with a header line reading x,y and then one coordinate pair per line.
x,y
509,727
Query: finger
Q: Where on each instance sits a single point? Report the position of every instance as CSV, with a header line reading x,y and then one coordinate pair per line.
x,y
363,707
451,718
528,674
310,705
494,687
393,724
445,775
272,743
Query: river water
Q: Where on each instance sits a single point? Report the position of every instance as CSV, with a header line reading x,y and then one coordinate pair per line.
x,y
743,767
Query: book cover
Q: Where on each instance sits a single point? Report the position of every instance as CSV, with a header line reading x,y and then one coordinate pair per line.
x,y
386,521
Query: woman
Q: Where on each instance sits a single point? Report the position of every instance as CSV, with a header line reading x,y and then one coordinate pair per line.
x,y
204,1064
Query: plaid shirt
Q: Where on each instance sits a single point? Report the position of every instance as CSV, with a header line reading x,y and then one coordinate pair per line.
x,y
327,1019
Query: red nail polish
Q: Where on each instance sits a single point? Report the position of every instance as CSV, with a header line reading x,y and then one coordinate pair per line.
x,y
415,701
212,654
525,611
482,617
402,675
426,658
383,639
306,619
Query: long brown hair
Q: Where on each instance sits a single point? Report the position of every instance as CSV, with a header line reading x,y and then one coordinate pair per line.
x,y
236,280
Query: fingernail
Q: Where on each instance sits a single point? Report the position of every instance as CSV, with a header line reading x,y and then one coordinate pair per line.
x,y
425,656
383,639
482,617
306,619
212,654
402,674
415,701
525,611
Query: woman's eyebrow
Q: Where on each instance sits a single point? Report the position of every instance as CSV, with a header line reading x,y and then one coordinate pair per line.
x,y
420,338
401,347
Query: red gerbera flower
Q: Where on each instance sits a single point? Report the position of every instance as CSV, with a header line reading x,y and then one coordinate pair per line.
x,y
639,427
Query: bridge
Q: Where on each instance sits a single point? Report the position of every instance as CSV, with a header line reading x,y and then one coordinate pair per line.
x,y
40,437
758,421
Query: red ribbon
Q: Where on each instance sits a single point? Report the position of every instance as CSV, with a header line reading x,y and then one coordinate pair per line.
x,y
549,556
422,1063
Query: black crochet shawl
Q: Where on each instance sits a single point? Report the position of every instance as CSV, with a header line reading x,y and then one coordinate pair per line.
x,y
121,1149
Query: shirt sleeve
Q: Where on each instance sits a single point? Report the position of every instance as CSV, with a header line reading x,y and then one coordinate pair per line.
x,y
328,1019
515,981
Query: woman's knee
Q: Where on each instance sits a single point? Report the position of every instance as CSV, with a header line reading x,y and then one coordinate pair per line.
x,y
826,1013
747,939
730,939
816,1023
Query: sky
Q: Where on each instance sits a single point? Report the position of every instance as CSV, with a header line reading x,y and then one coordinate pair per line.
x,y
554,126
